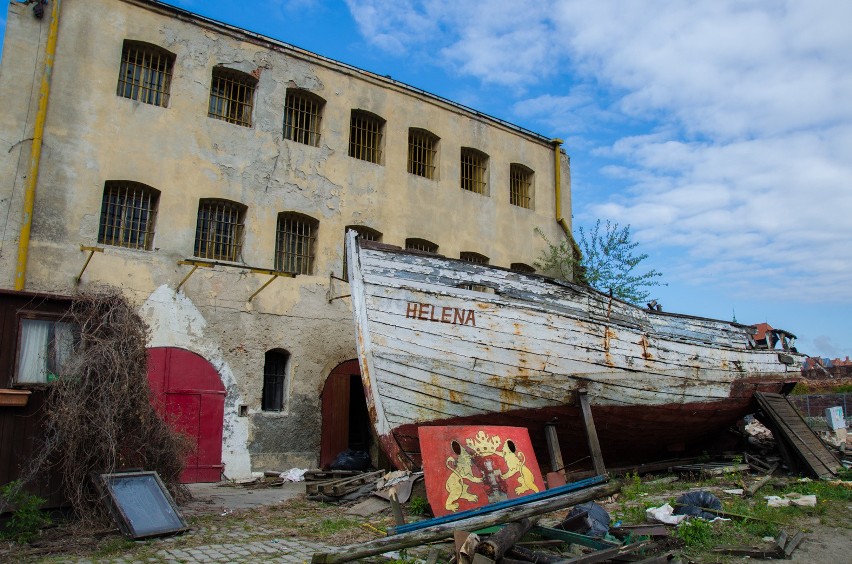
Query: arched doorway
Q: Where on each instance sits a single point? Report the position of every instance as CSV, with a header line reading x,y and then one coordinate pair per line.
x,y
191,393
345,420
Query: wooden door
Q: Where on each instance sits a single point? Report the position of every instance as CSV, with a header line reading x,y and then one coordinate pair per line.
x,y
188,390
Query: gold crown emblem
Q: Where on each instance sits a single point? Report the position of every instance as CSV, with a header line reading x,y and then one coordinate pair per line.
x,y
483,445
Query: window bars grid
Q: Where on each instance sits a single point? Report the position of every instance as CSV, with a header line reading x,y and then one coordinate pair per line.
x,y
473,168
231,97
521,267
127,215
520,181
422,150
295,240
421,245
219,232
477,259
302,118
145,74
365,138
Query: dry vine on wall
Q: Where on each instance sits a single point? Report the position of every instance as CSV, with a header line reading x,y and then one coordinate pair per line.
x,y
99,413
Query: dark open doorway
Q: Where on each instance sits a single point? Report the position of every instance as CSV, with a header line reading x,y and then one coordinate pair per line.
x,y
345,419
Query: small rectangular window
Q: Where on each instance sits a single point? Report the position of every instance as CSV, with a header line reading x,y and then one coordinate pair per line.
x,y
365,137
474,171
295,243
44,348
219,231
145,74
520,185
231,96
128,211
274,380
422,153
302,117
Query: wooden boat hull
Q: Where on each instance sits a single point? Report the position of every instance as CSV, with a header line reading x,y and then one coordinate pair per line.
x,y
442,341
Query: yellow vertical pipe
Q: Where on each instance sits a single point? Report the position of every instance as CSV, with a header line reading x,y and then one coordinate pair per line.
x,y
35,154
557,180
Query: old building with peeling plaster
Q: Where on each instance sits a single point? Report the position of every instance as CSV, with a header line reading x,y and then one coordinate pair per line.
x,y
191,163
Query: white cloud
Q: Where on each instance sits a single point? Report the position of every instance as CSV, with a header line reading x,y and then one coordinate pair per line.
x,y
736,145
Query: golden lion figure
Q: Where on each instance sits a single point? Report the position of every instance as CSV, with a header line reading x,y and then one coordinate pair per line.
x,y
462,469
516,463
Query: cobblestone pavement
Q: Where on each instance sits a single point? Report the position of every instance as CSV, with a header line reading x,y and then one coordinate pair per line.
x,y
276,550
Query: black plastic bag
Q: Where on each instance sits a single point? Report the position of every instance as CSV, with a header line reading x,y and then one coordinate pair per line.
x,y
691,503
596,523
351,460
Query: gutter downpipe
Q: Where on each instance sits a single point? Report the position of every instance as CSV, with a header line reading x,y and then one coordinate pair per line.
x,y
35,153
557,179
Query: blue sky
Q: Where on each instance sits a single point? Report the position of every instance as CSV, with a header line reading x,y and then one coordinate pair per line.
x,y
720,131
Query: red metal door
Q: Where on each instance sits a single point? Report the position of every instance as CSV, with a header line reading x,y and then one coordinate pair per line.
x,y
189,391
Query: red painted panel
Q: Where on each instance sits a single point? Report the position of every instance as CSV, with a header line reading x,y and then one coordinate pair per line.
x,y
192,395
470,466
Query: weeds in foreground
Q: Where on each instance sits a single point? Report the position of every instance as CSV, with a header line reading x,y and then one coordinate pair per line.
x,y
696,534
27,519
418,505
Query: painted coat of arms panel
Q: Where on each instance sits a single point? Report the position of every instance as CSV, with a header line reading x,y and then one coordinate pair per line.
x,y
466,467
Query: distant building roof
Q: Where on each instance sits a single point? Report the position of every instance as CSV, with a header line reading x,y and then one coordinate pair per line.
x,y
761,329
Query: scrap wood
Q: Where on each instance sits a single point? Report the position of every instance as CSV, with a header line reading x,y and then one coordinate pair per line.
x,y
520,553
320,475
606,554
639,531
783,547
572,537
711,468
338,487
500,505
752,489
480,520
500,542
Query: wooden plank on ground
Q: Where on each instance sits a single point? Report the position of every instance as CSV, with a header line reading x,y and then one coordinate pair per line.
x,y
796,434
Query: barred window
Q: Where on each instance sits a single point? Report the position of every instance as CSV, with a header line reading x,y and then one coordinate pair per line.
x,y
146,73
477,258
364,234
295,243
128,211
520,185
473,257
422,153
365,136
474,170
421,245
302,117
231,96
521,267
274,380
219,232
